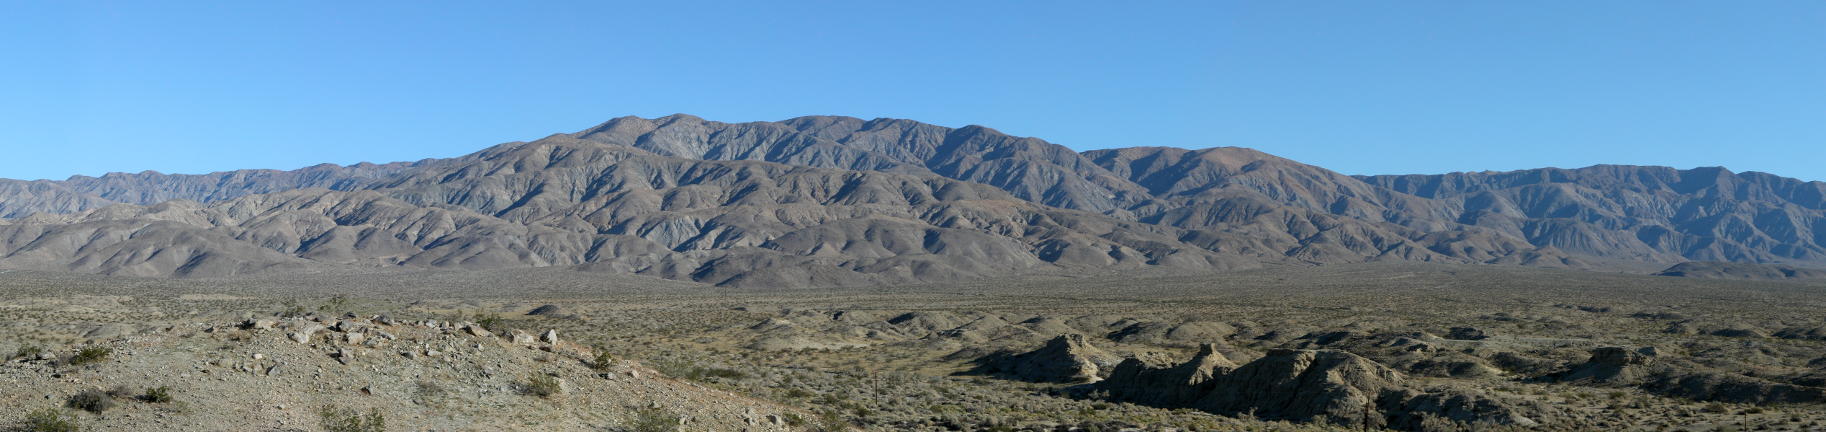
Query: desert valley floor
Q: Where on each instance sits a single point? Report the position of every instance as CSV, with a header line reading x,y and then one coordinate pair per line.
x,y
1341,347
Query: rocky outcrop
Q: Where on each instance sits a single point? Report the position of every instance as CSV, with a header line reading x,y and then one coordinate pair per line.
x,y
1068,358
1616,366
1166,385
1305,385
1608,365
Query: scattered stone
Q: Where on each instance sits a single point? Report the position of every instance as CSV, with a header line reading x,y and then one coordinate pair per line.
x,y
550,336
477,330
345,326
260,324
303,335
522,338
353,338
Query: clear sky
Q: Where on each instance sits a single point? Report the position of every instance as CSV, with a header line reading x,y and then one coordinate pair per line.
x,y
1362,87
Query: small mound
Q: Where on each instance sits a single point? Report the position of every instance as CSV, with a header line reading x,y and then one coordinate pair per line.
x,y
1741,271
1068,358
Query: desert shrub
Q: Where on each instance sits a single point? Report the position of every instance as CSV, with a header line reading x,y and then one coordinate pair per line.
x,y
540,385
28,351
654,420
50,420
338,303
292,309
91,354
160,394
684,370
336,419
94,401
429,390
603,359
724,373
492,322
1716,408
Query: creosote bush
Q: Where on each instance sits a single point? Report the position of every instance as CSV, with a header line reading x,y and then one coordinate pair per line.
x,y
94,401
28,351
160,394
50,420
337,419
654,420
541,385
91,354
603,359
492,322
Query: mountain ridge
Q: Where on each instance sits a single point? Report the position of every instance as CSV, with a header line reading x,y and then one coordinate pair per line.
x,y
832,200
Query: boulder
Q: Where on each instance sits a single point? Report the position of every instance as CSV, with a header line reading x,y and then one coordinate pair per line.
x,y
550,336
303,334
546,310
259,324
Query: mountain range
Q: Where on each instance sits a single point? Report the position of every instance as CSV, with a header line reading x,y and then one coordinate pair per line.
x,y
820,201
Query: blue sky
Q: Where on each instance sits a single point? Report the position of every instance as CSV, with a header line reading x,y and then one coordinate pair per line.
x,y
1362,87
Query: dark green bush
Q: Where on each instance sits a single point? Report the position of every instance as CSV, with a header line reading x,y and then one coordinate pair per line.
x,y
91,354
603,359
160,394
94,401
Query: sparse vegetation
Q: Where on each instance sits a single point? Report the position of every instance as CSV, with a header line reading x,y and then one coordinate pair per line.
x,y
603,359
291,309
90,354
654,420
27,351
541,385
339,419
492,323
94,401
690,371
160,394
871,361
335,304
50,420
